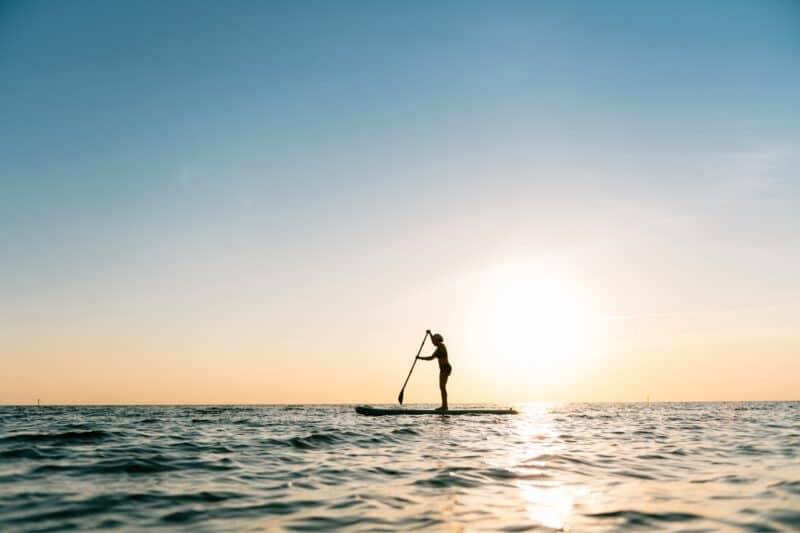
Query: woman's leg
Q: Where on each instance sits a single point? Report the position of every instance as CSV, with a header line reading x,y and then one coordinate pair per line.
x,y
443,387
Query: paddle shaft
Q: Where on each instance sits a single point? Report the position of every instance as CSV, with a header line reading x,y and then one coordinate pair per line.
x,y
400,397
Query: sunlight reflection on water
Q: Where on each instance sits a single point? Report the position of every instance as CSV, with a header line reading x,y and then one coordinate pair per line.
x,y
547,501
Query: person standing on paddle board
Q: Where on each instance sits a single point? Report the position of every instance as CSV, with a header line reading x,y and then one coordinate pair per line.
x,y
444,366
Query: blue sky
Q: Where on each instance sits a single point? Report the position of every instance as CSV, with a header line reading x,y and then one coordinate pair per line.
x,y
169,165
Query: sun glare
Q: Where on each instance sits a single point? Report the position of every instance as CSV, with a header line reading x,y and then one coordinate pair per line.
x,y
532,321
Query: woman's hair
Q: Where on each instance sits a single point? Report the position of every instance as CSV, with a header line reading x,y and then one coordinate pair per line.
x,y
437,337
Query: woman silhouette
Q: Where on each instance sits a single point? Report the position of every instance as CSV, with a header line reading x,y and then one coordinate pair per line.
x,y
444,366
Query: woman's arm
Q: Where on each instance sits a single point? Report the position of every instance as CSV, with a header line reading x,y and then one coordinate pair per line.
x,y
428,332
434,355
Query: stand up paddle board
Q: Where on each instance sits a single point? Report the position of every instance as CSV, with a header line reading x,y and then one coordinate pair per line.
x,y
374,411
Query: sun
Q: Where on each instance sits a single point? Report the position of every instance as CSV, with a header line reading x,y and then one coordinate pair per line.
x,y
532,321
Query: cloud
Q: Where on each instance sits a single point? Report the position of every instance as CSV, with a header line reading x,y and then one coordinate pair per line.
x,y
746,172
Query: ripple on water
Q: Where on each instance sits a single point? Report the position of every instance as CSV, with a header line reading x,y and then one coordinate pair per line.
x,y
629,518
792,487
582,467
66,436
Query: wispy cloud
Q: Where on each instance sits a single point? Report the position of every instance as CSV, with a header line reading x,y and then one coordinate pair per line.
x,y
699,312
745,172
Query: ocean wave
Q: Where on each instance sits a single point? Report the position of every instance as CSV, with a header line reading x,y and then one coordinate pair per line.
x,y
405,431
24,453
448,479
187,516
67,436
787,517
630,518
313,441
792,487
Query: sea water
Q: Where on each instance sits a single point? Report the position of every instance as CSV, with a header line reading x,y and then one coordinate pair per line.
x,y
583,467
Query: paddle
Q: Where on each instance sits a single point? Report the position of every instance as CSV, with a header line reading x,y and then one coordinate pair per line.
x,y
400,398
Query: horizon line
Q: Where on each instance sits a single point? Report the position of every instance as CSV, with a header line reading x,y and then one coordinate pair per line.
x,y
292,404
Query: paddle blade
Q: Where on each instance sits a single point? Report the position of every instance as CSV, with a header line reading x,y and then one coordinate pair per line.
x,y
400,398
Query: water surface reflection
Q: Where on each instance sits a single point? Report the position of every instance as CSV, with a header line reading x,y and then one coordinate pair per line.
x,y
573,467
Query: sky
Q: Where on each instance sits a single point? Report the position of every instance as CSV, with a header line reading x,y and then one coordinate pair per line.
x,y
270,202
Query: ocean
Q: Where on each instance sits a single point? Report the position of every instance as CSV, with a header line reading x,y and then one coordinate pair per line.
x,y
574,467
